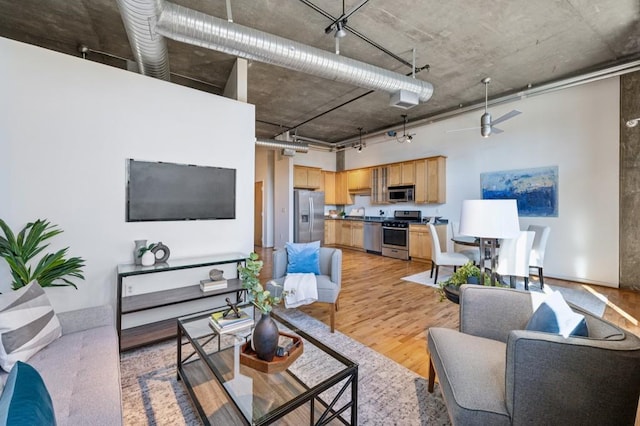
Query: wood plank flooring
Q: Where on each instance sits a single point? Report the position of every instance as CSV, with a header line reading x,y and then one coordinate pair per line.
x,y
391,316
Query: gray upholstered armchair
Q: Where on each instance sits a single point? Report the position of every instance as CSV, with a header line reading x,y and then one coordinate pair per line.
x,y
329,281
493,372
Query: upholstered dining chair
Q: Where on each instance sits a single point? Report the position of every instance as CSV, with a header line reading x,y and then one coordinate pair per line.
x,y
513,258
440,258
536,259
473,254
329,281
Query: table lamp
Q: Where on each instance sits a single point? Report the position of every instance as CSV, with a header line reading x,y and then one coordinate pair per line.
x,y
489,220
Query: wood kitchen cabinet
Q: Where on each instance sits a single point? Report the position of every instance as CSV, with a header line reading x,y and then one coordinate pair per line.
x,y
329,187
420,241
342,189
401,173
379,185
357,235
359,179
345,233
330,232
349,233
430,176
306,177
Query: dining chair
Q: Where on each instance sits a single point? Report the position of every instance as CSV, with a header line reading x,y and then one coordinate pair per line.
x,y
513,258
472,254
537,251
440,258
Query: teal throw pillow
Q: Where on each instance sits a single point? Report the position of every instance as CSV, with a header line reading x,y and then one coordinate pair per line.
x,y
25,399
303,257
554,315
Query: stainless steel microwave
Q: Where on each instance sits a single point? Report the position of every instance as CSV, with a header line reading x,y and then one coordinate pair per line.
x,y
400,194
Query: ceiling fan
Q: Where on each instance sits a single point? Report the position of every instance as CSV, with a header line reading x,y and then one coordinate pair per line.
x,y
487,125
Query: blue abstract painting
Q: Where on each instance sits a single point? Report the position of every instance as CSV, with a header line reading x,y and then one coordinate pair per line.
x,y
536,190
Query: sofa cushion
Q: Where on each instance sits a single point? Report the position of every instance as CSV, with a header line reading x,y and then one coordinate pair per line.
x,y
27,324
471,371
555,316
25,400
303,257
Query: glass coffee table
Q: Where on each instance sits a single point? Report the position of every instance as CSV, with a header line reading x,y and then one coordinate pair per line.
x,y
320,387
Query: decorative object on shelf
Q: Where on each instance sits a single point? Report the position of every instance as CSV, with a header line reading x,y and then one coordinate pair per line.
x,y
466,274
216,275
278,363
147,258
52,268
137,259
264,338
161,253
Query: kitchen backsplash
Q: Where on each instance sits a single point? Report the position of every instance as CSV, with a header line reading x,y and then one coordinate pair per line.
x,y
364,201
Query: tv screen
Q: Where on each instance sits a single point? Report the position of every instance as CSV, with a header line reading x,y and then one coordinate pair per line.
x,y
167,191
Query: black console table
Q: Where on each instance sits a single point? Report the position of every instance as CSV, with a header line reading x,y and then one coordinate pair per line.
x,y
160,330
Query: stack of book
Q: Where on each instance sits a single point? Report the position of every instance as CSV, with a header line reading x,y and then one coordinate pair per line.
x,y
230,323
209,285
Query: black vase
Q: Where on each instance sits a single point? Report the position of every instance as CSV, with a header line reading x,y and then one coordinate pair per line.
x,y
265,337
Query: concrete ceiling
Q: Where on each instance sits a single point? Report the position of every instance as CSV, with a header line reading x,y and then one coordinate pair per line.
x,y
515,42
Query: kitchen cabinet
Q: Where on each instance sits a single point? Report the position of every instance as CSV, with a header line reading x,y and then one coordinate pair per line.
x,y
401,173
350,233
359,180
342,189
379,185
306,177
357,235
329,187
430,186
420,241
330,232
345,233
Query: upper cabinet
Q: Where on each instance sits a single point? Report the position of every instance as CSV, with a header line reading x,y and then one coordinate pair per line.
x,y
402,173
359,180
342,189
306,177
329,187
379,185
430,177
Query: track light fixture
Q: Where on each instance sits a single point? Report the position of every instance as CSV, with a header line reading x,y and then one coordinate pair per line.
x,y
360,145
633,122
405,137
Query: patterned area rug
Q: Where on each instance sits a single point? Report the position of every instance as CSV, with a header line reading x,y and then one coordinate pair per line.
x,y
388,393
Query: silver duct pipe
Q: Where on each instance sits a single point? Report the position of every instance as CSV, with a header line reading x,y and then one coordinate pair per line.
x,y
193,27
272,143
149,49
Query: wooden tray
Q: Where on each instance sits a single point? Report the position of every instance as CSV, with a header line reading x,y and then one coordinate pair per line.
x,y
279,363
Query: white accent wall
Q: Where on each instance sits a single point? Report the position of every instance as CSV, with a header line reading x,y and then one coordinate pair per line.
x,y
576,129
67,127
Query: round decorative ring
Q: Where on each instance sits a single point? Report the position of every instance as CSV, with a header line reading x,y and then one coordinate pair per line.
x,y
161,252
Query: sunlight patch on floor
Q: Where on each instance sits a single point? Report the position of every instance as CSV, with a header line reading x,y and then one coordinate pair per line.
x,y
610,304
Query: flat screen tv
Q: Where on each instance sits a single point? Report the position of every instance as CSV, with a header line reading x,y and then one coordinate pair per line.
x,y
159,191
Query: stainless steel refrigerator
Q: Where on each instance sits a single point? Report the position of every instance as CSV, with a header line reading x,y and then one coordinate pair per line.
x,y
308,216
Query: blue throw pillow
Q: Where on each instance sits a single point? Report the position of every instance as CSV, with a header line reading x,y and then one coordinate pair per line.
x,y
555,316
25,399
303,258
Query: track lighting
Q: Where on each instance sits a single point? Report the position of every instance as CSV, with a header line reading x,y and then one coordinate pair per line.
x,y
405,137
340,32
633,122
360,145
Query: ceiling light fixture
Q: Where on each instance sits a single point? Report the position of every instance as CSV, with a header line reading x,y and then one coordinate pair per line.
x,y
405,137
633,122
360,146
340,32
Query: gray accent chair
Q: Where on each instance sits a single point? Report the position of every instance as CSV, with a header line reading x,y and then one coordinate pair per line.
x,y
493,372
329,281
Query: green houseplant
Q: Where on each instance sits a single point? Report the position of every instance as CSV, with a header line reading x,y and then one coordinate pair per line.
x,y
53,268
468,273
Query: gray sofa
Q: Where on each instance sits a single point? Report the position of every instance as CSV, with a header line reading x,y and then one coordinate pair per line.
x,y
493,372
81,369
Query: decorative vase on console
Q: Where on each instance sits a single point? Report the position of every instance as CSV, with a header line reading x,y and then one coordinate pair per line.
x,y
136,251
264,339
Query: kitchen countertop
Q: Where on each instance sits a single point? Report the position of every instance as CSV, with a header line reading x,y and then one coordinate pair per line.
x,y
378,219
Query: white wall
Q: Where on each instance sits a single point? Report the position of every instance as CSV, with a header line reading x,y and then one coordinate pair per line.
x,y
576,129
68,125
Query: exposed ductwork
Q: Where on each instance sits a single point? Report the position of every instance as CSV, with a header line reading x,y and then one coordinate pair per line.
x,y
275,144
197,28
149,49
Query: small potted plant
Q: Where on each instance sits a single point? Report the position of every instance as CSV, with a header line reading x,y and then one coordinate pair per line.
x,y
466,274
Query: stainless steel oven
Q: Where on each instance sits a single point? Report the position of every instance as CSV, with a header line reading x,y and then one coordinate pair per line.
x,y
395,241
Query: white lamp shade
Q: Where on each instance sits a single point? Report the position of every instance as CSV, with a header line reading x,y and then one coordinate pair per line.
x,y
489,218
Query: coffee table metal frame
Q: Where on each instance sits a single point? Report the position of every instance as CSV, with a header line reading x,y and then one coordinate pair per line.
x,y
311,395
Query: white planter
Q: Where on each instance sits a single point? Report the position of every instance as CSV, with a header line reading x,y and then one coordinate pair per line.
x,y
148,258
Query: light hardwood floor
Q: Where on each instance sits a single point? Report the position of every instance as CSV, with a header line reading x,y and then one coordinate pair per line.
x,y
392,316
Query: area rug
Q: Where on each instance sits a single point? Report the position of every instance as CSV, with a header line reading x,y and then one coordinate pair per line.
x,y
388,393
424,278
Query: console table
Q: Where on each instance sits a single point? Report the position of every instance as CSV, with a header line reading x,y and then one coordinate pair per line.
x,y
163,329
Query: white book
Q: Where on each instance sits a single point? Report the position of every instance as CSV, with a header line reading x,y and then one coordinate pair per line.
x,y
213,285
230,328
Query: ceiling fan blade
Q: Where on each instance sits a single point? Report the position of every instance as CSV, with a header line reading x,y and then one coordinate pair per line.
x,y
463,130
496,130
505,117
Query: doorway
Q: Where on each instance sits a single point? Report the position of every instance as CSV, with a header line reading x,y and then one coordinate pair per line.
x,y
257,213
